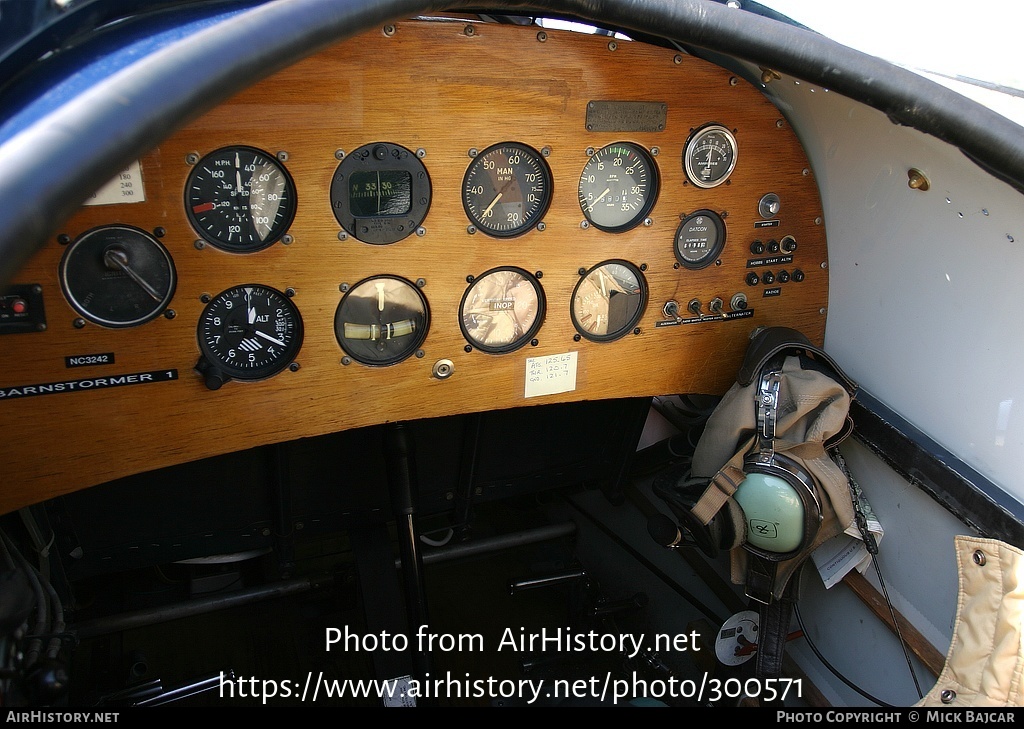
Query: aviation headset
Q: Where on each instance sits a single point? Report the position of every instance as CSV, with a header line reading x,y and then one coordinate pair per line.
x,y
764,498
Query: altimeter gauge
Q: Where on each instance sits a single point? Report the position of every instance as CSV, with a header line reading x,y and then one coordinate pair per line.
x,y
248,332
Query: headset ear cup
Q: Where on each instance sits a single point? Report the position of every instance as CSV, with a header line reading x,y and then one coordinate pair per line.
x,y
778,494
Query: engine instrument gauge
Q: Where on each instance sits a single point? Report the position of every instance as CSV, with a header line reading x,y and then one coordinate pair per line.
x,y
381,320
710,155
117,276
380,193
502,310
248,332
240,199
609,300
700,239
506,189
618,187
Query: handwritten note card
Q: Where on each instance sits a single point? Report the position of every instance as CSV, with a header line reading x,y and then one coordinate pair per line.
x,y
550,375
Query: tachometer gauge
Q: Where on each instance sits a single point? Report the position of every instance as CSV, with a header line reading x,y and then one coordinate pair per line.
x,y
247,332
240,199
507,189
117,276
381,320
618,187
709,156
700,239
609,300
502,310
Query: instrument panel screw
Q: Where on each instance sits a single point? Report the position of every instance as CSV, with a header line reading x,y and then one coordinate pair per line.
x,y
420,354
470,278
581,271
63,239
805,171
471,229
612,45
282,156
822,311
293,367
589,152
342,235
648,222
636,331
817,221
389,30
468,348
287,240
191,158
343,288
469,30
655,151
948,696
199,245
733,81
542,226
643,266
979,558
542,36
917,180
677,59
170,314
473,152
205,298
421,153
421,282
339,154
779,123
584,224
78,323
289,292
534,342
421,231
346,361
159,232
824,264
545,151
539,274
576,337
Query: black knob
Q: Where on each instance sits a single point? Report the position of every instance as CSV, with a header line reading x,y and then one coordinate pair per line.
x,y
783,276
767,278
798,275
789,244
752,279
773,246
757,248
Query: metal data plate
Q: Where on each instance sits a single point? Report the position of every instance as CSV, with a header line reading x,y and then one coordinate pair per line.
x,y
626,116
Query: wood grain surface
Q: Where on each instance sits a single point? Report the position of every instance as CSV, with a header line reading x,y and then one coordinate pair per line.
x,y
428,86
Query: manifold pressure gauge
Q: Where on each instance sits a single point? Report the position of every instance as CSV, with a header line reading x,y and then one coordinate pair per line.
x,y
248,332
507,189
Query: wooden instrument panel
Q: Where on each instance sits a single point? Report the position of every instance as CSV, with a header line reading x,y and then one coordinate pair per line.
x,y
438,91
